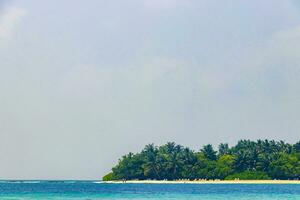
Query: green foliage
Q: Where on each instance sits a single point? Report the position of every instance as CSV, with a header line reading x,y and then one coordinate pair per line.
x,y
286,167
108,177
129,167
296,147
204,167
224,166
249,175
224,149
209,152
262,159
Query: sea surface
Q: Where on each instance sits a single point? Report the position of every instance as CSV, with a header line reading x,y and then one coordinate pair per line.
x,y
92,190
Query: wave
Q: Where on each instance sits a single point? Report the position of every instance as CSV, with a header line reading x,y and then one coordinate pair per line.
x,y
31,181
98,182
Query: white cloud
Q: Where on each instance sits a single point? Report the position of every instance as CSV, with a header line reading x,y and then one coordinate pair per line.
x,y
9,18
285,44
290,33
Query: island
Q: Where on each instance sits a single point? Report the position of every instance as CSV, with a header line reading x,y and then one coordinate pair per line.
x,y
266,160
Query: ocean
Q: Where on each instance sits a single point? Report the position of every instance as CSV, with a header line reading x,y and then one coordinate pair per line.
x,y
92,190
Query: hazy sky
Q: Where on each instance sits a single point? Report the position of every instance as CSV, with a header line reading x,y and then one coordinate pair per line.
x,y
84,82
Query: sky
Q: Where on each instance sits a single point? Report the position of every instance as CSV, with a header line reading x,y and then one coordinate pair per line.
x,y
84,82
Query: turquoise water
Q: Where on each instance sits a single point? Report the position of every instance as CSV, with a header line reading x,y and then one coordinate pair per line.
x,y
90,190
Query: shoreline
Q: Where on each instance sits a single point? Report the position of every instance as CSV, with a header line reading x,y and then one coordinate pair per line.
x,y
205,182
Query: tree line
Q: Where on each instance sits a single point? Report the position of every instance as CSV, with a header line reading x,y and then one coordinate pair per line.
x,y
261,159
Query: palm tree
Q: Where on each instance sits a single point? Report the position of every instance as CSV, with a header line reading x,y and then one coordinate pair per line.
x,y
209,152
296,147
150,165
170,154
224,149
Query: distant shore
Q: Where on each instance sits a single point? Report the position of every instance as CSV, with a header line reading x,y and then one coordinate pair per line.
x,y
207,182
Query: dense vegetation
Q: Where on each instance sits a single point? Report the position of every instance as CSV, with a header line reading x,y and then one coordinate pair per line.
x,y
262,159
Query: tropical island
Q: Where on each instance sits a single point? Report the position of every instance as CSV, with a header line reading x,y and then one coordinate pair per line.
x,y
247,160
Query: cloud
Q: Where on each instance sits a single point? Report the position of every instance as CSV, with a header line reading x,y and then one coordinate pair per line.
x,y
151,71
287,42
9,18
